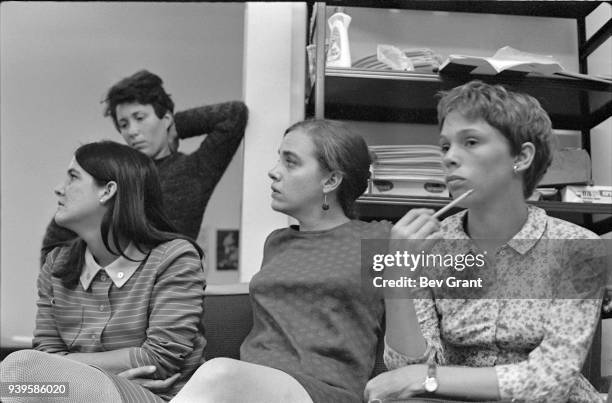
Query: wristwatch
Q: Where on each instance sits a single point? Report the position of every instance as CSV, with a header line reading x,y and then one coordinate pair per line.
x,y
431,382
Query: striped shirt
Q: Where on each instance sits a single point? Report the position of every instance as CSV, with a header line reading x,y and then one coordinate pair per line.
x,y
156,313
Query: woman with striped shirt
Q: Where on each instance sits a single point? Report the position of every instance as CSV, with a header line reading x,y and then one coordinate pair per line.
x,y
119,308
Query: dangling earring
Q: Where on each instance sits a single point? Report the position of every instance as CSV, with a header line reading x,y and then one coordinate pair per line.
x,y
325,206
515,169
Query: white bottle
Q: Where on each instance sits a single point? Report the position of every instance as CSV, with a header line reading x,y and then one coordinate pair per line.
x,y
338,54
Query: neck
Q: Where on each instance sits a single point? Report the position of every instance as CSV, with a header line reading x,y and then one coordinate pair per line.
x,y
497,222
163,154
96,246
321,220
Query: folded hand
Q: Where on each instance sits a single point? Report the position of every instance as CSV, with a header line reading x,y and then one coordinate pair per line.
x,y
139,375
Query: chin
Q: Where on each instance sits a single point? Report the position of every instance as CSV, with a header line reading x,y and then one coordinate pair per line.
x,y
62,221
277,206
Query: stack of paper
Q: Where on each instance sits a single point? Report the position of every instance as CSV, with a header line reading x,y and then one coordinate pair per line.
x,y
505,59
408,170
511,61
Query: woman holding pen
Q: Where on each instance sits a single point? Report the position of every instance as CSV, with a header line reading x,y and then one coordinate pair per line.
x,y
526,347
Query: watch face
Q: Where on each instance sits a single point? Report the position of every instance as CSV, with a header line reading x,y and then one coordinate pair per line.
x,y
430,384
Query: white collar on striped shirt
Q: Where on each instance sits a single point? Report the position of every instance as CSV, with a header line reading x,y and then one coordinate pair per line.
x,y
119,271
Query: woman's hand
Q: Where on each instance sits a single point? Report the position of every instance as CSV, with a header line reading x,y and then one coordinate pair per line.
x,y
414,233
139,375
397,384
417,224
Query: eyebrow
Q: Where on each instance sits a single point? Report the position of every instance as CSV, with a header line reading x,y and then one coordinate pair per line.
x,y
289,154
463,132
119,119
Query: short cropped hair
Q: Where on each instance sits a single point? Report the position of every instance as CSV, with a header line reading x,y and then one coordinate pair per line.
x,y
519,117
142,87
339,149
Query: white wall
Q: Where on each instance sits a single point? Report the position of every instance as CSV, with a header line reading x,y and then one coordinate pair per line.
x,y
274,89
601,140
58,60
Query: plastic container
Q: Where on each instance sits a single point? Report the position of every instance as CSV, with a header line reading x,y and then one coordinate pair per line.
x,y
338,53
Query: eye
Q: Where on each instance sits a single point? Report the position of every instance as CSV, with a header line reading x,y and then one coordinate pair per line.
x,y
140,117
290,162
122,125
444,148
471,142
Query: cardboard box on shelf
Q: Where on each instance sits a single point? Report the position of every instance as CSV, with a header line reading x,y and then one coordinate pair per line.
x,y
587,194
569,166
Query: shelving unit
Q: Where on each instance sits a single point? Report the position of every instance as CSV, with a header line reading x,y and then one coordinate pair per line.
x,y
386,101
572,104
394,207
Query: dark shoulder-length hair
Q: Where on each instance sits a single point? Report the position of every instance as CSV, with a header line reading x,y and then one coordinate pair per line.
x,y
135,213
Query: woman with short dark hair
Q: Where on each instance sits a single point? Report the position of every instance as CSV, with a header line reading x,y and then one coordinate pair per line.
x,y
143,113
525,334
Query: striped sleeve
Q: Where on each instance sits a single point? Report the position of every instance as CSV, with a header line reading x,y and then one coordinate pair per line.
x,y
46,334
176,308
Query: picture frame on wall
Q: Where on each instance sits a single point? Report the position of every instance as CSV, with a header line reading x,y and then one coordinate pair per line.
x,y
227,249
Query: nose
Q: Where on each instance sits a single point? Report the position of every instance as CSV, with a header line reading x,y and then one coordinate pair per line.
x,y
59,190
131,129
450,158
273,173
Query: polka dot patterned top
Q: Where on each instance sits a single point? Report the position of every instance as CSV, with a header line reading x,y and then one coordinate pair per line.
x,y
312,319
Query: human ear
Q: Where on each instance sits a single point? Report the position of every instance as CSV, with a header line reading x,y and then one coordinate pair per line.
x,y
168,119
525,157
108,191
332,181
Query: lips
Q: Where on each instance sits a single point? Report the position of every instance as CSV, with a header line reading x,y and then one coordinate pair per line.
x,y
455,180
275,192
139,144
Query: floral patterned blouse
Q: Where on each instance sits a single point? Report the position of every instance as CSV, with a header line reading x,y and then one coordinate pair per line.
x,y
537,345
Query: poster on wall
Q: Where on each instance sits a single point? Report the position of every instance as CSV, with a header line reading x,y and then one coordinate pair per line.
x,y
227,249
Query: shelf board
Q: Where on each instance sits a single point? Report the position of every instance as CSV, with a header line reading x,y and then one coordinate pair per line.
x,y
394,207
557,9
355,94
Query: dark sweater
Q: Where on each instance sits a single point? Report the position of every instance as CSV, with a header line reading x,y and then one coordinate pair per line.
x,y
187,180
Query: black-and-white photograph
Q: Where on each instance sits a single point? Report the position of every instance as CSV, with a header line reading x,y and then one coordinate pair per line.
x,y
341,201
227,249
